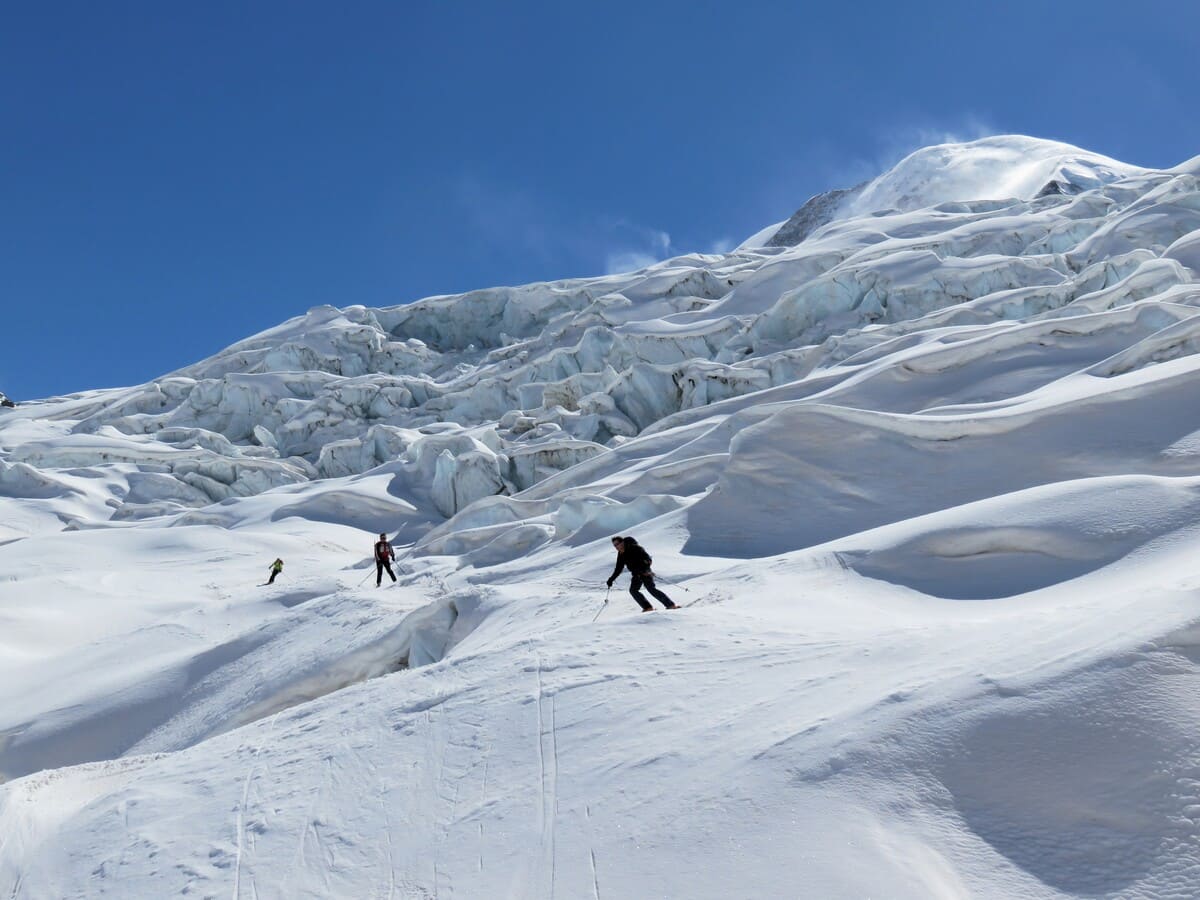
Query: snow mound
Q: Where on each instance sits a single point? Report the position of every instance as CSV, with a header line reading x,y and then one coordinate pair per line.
x,y
991,168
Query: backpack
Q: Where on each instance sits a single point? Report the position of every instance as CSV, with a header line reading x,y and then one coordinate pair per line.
x,y
636,557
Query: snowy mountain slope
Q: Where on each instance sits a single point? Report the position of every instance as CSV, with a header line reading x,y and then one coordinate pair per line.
x,y
928,479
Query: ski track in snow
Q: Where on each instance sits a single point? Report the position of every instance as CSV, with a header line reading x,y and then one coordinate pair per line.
x,y
246,835
548,779
924,473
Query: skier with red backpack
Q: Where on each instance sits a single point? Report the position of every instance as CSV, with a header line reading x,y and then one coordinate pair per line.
x,y
632,555
384,554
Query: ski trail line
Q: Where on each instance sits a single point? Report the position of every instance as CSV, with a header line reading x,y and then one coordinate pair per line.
x,y
484,799
541,757
299,858
587,811
387,830
326,855
241,813
548,768
18,877
553,789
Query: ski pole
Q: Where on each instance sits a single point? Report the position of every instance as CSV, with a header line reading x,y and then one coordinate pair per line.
x,y
669,581
365,577
604,607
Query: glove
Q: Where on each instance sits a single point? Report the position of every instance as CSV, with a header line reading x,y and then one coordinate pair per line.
x,y
609,582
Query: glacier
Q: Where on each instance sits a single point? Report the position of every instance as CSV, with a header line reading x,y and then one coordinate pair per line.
x,y
922,461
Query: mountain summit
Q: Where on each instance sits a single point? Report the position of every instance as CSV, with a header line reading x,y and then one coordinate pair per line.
x,y
994,168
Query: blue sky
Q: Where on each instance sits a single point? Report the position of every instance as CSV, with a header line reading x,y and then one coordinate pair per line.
x,y
174,177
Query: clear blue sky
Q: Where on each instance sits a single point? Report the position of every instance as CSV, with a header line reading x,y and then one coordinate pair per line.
x,y
176,176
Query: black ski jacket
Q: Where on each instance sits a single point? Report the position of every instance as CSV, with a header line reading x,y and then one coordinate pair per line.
x,y
634,556
384,551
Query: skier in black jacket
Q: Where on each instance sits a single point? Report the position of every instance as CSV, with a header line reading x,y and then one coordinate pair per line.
x,y
631,554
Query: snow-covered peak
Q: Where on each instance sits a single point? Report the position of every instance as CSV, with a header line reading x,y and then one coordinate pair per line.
x,y
992,168
1001,167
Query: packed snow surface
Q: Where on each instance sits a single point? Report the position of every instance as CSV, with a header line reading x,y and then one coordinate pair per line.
x,y
925,472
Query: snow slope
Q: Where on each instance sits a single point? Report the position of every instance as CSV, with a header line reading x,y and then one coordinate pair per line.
x,y
928,480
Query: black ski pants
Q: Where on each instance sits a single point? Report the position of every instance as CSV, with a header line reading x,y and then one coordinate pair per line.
x,y
380,565
640,579
271,580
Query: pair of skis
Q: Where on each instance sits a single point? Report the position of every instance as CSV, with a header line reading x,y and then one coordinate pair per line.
x,y
667,609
